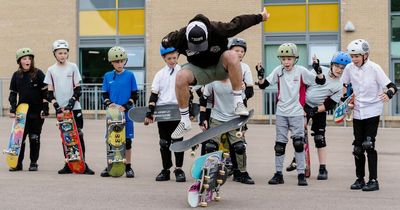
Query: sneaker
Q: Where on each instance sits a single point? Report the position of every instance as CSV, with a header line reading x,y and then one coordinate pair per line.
x,y
180,175
292,166
18,168
104,173
129,172
88,171
301,178
65,170
33,167
237,176
323,174
180,131
163,175
241,109
358,184
277,179
371,185
246,179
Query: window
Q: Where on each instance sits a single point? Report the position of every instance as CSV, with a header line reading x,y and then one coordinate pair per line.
x,y
324,52
131,22
135,57
396,28
287,18
96,4
323,17
130,4
97,23
395,6
94,64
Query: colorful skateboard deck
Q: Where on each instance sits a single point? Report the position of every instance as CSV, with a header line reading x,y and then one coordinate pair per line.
x,y
343,111
212,132
17,133
115,141
71,142
161,113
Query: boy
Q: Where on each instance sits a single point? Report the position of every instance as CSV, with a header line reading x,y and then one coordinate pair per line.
x,y
371,88
64,90
120,89
291,81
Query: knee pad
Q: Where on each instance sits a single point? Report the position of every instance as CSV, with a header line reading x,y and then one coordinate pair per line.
x,y
368,143
239,147
164,144
34,138
128,144
280,148
298,143
319,141
358,150
210,146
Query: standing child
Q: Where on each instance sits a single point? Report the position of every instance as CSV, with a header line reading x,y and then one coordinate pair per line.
x,y
27,84
163,93
120,89
371,88
63,79
291,80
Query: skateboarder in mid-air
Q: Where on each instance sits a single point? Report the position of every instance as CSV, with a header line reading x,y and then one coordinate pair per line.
x,y
163,93
27,84
204,43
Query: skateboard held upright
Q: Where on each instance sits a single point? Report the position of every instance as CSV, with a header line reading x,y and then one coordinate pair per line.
x,y
162,113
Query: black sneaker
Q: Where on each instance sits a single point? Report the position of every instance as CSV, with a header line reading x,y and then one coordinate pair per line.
x,y
129,172
65,170
371,185
104,173
237,176
323,174
18,168
163,175
292,166
246,179
179,175
277,179
358,184
88,171
301,178
33,167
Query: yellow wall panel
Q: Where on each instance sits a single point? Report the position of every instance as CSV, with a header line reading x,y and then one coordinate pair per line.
x,y
131,22
286,18
323,17
97,23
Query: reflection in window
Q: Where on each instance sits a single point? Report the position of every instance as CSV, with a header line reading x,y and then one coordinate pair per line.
x,y
135,57
395,6
94,64
130,4
96,4
396,28
397,74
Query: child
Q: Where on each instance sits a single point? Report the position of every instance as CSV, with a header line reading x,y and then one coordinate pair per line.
x,y
163,93
371,88
64,90
27,84
291,81
120,89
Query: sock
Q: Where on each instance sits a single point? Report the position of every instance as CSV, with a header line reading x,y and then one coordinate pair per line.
x,y
237,96
185,116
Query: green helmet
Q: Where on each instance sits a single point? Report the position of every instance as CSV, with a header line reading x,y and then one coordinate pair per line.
x,y
117,53
288,49
24,52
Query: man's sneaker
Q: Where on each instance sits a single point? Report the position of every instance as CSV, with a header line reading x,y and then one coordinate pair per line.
x,y
237,176
277,179
163,175
246,179
241,109
323,174
129,173
88,171
104,173
18,168
358,184
65,170
180,175
33,167
371,185
292,166
301,178
180,130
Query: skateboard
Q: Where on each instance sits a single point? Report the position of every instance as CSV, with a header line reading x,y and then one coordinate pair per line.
x,y
162,113
210,174
115,141
71,142
17,133
307,172
236,123
343,111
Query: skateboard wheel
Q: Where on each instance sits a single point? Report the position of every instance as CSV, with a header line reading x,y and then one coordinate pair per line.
x,y
239,134
225,155
203,204
207,178
192,153
219,181
217,198
206,186
222,172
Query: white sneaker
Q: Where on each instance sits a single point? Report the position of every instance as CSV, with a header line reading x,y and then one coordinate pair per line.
x,y
241,109
180,131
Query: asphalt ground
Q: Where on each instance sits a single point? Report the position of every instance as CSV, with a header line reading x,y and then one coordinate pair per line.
x,y
45,189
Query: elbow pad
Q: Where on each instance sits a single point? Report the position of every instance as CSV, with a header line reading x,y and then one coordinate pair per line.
x,y
320,81
153,98
134,96
77,92
50,95
329,104
203,101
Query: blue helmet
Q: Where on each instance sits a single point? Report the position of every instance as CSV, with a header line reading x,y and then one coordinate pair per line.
x,y
164,51
341,58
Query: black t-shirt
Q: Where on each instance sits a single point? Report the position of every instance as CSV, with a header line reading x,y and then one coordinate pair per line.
x,y
29,90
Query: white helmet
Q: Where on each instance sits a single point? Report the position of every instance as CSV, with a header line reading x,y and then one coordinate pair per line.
x,y
358,46
60,44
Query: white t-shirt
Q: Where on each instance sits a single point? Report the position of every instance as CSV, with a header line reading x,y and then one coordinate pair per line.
x,y
164,85
64,79
368,82
291,89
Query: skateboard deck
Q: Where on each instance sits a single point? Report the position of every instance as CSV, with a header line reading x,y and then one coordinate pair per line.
x,y
17,133
71,142
162,113
343,111
212,132
307,172
115,141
